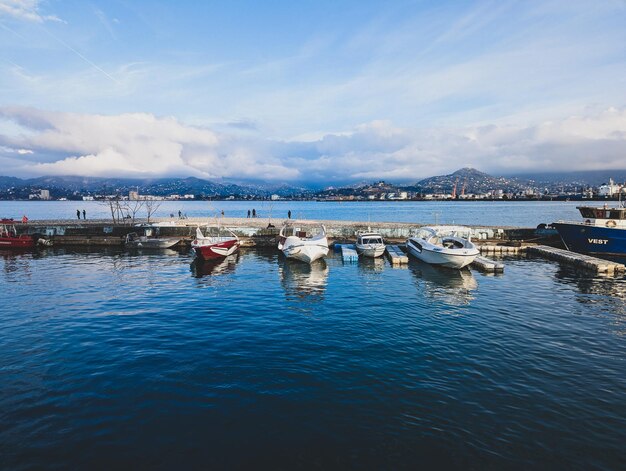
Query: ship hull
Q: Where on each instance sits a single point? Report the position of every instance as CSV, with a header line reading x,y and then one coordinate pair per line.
x,y
20,242
449,258
307,253
369,251
217,250
584,238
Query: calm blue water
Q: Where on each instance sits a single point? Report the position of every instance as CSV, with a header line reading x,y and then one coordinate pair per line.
x,y
116,360
489,213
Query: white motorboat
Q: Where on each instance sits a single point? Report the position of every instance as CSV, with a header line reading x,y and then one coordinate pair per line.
x,y
302,244
445,246
135,241
370,244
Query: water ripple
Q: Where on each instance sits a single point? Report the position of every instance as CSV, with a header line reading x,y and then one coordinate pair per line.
x,y
151,361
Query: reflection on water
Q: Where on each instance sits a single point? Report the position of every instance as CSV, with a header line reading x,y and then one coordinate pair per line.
x,y
303,281
369,264
139,251
101,351
606,291
16,263
219,266
451,286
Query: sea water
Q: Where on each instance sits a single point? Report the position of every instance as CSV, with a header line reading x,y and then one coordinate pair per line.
x,y
112,359
489,213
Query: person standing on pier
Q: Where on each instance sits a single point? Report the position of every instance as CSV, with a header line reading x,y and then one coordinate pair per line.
x,y
248,214
78,213
289,214
84,214
254,213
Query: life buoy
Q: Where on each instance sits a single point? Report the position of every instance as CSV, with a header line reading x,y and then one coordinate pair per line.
x,y
611,223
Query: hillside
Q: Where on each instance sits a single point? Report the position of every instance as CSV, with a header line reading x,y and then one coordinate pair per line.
x,y
473,180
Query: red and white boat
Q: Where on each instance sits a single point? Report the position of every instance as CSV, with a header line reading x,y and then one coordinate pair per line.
x,y
214,246
9,237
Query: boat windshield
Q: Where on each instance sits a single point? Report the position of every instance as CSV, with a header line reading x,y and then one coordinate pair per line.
x,y
371,240
425,233
303,232
213,232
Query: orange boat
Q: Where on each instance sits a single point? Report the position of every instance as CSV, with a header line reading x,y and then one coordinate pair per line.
x,y
9,238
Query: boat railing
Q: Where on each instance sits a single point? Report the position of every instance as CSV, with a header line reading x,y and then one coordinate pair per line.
x,y
215,233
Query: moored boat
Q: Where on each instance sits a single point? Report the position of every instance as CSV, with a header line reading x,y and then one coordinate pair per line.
x,y
301,244
215,246
370,244
602,231
9,238
135,241
445,246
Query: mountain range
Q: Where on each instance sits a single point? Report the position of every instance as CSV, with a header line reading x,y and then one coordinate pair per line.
x,y
67,185
466,179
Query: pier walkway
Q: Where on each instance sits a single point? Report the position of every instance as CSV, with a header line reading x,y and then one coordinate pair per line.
x,y
248,227
586,262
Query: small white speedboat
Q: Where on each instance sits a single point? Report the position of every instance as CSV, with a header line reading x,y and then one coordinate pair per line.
x,y
443,245
370,244
302,244
135,241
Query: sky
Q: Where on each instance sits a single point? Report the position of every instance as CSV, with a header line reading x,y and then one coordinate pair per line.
x,y
311,92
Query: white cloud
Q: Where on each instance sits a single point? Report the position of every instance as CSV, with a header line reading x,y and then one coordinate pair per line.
x,y
145,145
27,10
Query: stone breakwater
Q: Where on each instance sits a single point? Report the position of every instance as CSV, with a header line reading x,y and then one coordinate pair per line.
x,y
252,231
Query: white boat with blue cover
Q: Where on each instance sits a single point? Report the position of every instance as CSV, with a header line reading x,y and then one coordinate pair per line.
x,y
446,246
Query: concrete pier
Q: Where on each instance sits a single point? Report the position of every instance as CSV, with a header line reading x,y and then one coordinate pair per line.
x,y
396,255
95,231
349,253
585,262
487,265
500,249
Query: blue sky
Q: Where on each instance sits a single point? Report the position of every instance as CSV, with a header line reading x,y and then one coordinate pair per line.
x,y
310,91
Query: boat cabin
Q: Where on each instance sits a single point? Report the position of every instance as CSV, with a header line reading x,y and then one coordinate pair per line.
x,y
373,239
604,216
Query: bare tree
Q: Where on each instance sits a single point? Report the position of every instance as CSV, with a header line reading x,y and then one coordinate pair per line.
x,y
270,205
151,207
133,207
114,205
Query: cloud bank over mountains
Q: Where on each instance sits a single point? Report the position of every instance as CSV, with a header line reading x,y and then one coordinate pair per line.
x,y
35,142
286,92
